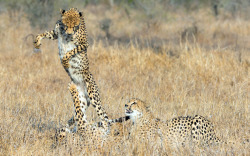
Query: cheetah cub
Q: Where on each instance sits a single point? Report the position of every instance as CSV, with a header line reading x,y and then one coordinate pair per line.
x,y
178,131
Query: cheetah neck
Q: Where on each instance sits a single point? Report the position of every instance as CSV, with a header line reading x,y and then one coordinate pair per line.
x,y
145,117
65,44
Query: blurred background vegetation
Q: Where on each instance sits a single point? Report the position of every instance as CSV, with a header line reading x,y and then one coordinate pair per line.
x,y
39,12
147,23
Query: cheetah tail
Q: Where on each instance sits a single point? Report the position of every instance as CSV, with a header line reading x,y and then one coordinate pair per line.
x,y
121,119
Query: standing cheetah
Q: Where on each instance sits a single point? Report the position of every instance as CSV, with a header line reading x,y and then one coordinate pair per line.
x,y
71,33
180,130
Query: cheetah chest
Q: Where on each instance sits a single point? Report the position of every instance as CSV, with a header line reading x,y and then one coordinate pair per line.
x,y
66,44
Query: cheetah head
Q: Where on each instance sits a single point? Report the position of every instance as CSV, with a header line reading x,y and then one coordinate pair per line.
x,y
71,20
135,109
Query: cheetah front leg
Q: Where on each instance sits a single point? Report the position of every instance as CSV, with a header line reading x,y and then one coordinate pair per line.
x,y
49,35
70,54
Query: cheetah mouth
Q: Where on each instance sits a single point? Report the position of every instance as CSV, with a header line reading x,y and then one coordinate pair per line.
x,y
127,111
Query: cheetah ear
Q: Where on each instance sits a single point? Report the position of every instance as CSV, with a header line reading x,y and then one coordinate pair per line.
x,y
80,13
62,11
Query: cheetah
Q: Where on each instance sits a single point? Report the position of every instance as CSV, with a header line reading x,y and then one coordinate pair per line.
x,y
144,129
88,136
71,33
180,130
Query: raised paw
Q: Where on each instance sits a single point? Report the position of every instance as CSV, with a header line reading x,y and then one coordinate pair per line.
x,y
37,46
37,43
72,86
66,65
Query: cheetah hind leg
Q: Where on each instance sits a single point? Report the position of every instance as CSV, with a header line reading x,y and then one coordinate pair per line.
x,y
203,132
60,136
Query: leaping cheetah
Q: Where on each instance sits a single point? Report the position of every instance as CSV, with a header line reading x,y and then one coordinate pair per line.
x,y
71,33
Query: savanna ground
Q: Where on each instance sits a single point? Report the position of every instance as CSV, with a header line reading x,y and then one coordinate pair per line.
x,y
189,64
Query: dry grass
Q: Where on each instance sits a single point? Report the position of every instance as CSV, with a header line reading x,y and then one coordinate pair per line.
x,y
209,77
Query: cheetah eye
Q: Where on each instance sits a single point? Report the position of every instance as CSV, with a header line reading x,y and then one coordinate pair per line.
x,y
126,105
134,103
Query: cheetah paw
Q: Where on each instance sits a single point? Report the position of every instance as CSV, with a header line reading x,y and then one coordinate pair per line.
x,y
66,65
72,86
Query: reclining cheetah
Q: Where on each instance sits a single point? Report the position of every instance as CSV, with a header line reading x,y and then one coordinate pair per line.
x,y
179,130
72,42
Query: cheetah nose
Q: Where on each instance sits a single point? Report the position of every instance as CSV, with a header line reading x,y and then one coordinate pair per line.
x,y
69,31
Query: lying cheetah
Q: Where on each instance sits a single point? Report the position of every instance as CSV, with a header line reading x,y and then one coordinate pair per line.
x,y
179,130
71,33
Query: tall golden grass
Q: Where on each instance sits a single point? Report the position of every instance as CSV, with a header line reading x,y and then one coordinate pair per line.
x,y
208,76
